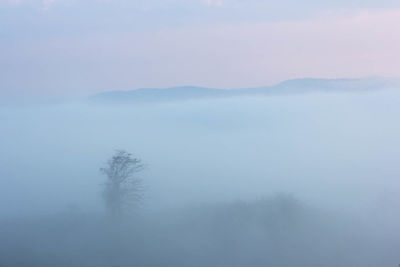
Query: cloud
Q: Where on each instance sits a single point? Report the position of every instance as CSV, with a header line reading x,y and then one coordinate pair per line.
x,y
47,3
11,2
217,3
43,4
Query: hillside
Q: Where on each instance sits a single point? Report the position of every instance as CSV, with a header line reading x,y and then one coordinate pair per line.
x,y
295,86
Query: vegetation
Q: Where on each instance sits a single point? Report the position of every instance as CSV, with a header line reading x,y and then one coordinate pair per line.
x,y
123,188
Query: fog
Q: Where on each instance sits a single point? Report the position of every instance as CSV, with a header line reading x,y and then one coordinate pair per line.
x,y
289,180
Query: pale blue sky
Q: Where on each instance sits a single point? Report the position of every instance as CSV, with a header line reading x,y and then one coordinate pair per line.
x,y
75,48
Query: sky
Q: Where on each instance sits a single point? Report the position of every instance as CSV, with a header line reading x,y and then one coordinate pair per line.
x,y
72,48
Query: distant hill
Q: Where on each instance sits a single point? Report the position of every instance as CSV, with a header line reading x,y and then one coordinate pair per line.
x,y
295,86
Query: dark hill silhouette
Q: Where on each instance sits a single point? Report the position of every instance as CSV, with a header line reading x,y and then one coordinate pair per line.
x,y
295,86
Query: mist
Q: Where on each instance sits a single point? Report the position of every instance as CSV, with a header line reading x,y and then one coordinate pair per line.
x,y
309,179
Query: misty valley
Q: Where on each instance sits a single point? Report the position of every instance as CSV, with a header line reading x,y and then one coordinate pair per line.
x,y
199,133
308,179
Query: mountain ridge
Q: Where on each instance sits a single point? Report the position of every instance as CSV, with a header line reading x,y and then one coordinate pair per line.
x,y
292,86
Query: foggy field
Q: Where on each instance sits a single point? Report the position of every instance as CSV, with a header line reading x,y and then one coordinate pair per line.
x,y
199,133
292,180
277,231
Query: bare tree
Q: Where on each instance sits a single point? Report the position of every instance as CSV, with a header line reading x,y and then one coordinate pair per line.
x,y
122,187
